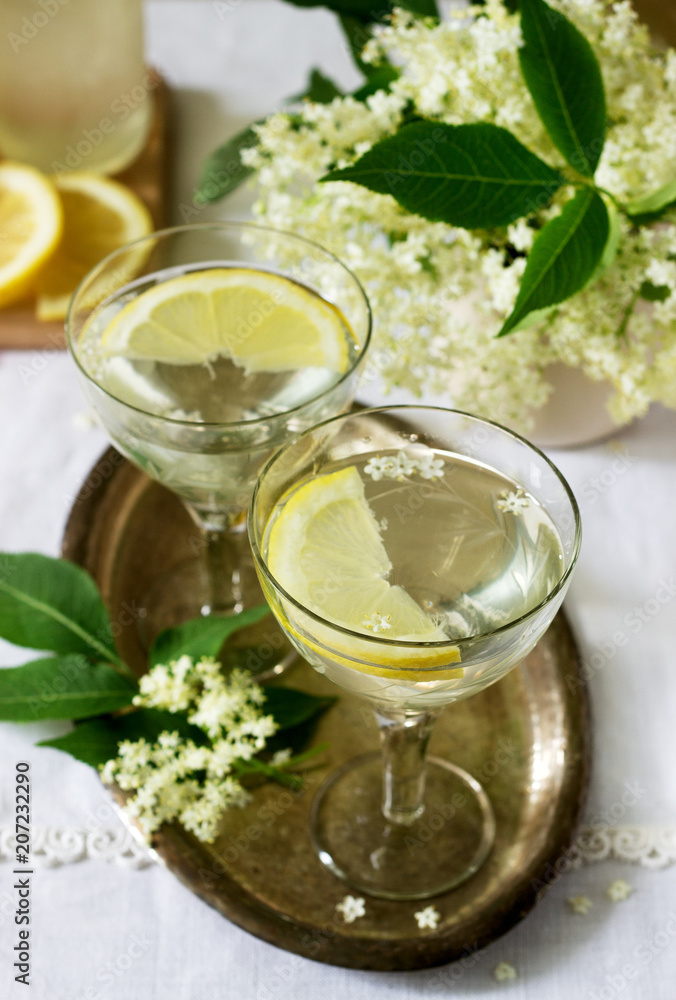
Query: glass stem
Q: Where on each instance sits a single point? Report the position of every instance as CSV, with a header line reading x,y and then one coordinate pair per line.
x,y
404,740
225,594
220,538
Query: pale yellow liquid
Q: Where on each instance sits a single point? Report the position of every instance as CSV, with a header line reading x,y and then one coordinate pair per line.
x,y
471,566
74,90
205,430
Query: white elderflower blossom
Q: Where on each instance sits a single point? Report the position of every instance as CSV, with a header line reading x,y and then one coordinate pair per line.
x,y
174,777
351,908
429,917
439,295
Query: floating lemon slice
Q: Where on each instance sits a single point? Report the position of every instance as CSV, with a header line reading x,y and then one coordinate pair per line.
x,y
31,221
263,321
326,551
100,215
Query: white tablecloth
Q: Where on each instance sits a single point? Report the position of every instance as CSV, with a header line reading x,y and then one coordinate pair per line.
x,y
106,930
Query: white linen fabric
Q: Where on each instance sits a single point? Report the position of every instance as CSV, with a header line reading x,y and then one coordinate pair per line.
x,y
134,933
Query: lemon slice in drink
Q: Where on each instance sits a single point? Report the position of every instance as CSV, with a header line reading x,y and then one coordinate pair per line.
x,y
262,321
326,551
31,221
100,215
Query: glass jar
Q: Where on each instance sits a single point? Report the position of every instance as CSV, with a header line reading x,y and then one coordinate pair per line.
x,y
75,93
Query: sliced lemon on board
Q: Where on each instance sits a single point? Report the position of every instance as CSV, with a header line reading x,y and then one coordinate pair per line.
x,y
326,551
31,221
261,320
100,215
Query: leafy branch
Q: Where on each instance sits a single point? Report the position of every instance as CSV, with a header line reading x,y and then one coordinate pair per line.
x,y
55,606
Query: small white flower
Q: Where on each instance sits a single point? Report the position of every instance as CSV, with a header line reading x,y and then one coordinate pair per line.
x,y
429,466
377,623
504,971
619,890
281,757
351,908
580,904
513,502
374,468
429,917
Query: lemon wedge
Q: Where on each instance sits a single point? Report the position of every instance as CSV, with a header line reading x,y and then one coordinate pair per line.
x,y
31,221
261,320
326,551
100,215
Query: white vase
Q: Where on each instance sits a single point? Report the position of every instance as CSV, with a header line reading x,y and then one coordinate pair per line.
x,y
576,412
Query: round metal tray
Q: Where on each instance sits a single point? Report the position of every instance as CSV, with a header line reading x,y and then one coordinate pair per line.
x,y
526,739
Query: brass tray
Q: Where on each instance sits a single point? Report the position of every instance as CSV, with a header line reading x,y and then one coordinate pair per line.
x,y
526,739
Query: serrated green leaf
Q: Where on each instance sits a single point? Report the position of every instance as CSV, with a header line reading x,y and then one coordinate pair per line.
x,y
475,176
202,636
97,741
563,257
319,88
564,79
655,202
291,707
52,604
223,170
62,687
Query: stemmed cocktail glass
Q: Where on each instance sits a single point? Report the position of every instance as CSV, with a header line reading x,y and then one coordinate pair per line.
x,y
202,349
413,555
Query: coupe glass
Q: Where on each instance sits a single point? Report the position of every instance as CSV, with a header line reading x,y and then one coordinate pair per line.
x,y
483,532
207,445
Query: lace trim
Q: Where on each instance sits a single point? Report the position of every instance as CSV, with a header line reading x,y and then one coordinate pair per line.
x,y
51,846
648,846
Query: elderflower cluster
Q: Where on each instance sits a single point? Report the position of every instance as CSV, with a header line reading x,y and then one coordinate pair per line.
x,y
177,778
440,294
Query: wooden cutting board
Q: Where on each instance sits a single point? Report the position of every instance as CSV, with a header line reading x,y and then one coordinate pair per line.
x,y
148,177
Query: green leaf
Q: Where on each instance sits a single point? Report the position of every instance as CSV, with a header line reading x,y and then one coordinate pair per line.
x,y
202,636
96,742
62,687
291,707
564,79
223,170
475,176
654,293
652,204
52,604
380,79
563,257
319,88
368,12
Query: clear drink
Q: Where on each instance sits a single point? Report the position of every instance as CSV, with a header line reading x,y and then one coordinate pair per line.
x,y
472,548
74,90
211,471
413,555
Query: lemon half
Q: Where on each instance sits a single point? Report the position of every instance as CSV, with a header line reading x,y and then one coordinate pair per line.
x,y
261,320
326,550
31,221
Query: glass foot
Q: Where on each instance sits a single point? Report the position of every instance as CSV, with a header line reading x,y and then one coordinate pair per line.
x,y
182,593
438,851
